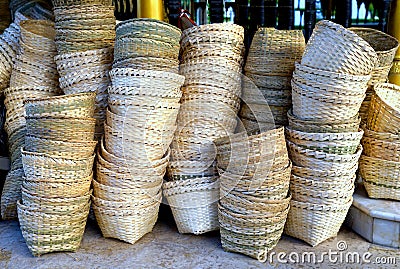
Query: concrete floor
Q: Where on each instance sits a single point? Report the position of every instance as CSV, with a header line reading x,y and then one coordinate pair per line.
x,y
166,248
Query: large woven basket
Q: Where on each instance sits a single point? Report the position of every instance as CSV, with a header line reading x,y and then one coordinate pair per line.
x,y
381,177
331,126
384,112
384,45
315,223
195,207
128,225
337,143
348,53
321,160
45,232
40,165
381,145
274,52
74,106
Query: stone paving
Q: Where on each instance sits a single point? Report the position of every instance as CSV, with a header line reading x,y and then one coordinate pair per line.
x,y
166,248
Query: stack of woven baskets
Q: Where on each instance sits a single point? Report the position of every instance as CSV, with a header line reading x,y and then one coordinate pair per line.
x,y
147,44
87,71
58,166
323,136
84,25
141,121
269,66
85,33
380,162
385,47
254,185
8,51
211,62
34,74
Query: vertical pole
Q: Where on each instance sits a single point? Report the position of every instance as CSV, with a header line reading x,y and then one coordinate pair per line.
x,y
309,18
216,11
343,12
286,14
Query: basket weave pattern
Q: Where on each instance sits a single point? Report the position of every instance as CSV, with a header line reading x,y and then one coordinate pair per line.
x,y
254,186
323,136
33,75
211,58
57,163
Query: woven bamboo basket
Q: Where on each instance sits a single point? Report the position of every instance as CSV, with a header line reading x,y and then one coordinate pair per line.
x,y
70,149
327,126
384,115
83,59
349,53
214,50
384,45
321,193
40,165
129,47
315,223
11,193
325,176
136,91
73,106
178,169
149,28
274,52
248,204
53,205
61,128
381,176
145,78
38,33
149,63
327,91
45,233
321,160
67,3
194,211
58,188
131,166
119,194
128,225
308,106
134,204
273,82
126,181
331,79
381,145
337,143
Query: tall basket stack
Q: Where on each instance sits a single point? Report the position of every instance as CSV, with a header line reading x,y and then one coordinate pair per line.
x,y
323,136
147,44
385,47
269,65
380,162
211,62
85,34
34,74
9,46
133,157
254,200
58,165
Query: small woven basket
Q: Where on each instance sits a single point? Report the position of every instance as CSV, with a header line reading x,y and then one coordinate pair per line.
x,y
315,223
384,111
348,53
326,126
74,106
337,143
384,146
